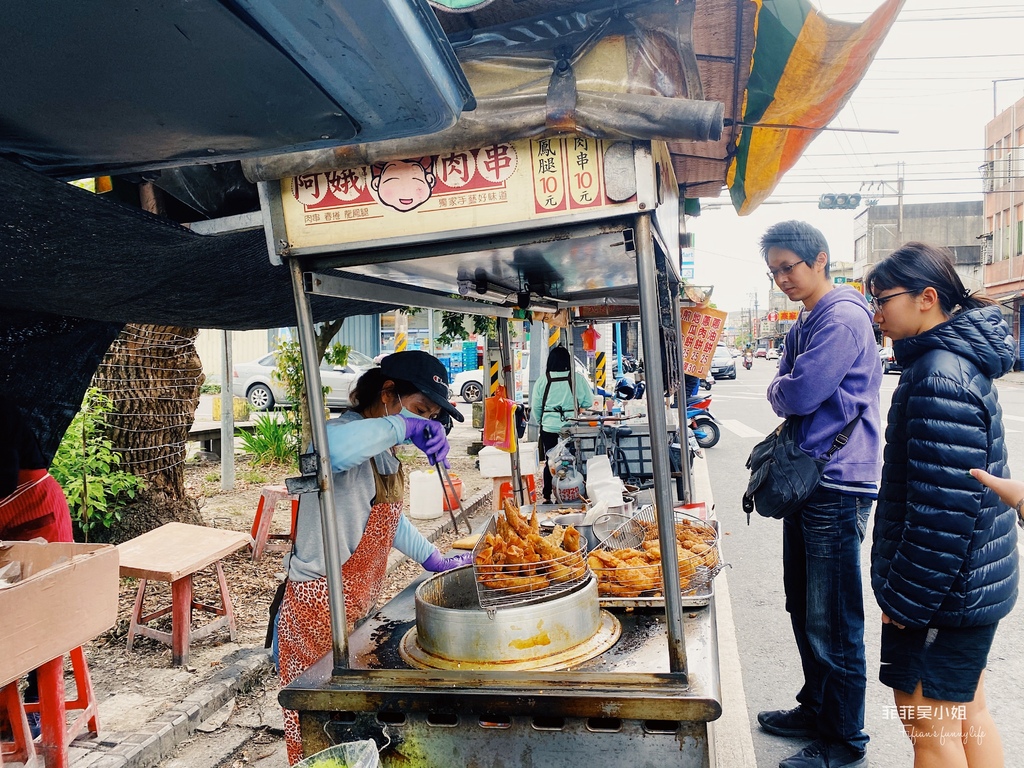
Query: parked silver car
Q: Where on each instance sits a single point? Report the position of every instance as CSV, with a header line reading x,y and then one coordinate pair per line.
x,y
255,381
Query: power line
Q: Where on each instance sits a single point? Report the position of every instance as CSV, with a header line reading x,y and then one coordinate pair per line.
x,y
957,56
903,151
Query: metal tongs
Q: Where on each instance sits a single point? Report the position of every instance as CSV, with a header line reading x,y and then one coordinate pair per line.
x,y
446,486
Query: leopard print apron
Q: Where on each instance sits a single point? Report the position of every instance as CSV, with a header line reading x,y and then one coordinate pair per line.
x,y
304,623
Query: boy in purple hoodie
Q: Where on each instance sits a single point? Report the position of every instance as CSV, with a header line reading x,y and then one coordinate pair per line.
x,y
829,375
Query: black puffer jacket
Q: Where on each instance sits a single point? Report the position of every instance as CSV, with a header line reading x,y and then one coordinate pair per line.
x,y
944,552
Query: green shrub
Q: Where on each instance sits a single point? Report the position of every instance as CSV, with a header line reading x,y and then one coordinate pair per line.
x,y
209,389
271,441
86,466
254,477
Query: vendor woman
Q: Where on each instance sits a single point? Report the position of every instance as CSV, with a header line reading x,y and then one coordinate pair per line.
x,y
401,401
32,504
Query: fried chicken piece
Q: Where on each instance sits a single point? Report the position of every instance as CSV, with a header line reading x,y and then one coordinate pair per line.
x,y
617,590
555,537
687,563
519,584
707,553
607,558
571,540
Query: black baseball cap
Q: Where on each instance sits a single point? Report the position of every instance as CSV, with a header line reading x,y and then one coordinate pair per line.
x,y
425,372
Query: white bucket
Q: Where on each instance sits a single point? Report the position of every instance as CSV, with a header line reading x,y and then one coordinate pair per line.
x,y
426,497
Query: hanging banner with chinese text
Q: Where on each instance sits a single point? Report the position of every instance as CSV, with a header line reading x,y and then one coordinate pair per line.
x,y
500,184
701,329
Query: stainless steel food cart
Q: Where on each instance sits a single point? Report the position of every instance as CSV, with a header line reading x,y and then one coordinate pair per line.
x,y
575,223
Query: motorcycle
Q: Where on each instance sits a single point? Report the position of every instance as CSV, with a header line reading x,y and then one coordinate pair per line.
x,y
702,422
748,362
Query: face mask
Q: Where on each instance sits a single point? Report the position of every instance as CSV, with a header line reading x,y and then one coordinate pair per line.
x,y
405,411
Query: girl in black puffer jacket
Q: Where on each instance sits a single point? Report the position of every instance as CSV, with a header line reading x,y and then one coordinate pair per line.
x,y
944,555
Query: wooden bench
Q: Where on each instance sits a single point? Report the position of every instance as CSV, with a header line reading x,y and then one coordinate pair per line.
x,y
173,553
207,434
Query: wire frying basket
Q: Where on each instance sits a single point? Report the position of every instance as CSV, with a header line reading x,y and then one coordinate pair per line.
x,y
627,563
512,570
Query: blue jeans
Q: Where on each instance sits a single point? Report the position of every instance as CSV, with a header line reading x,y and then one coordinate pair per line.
x,y
821,574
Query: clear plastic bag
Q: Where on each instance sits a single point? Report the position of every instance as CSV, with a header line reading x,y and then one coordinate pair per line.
x,y
354,754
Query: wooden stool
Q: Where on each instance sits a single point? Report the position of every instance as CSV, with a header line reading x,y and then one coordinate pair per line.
x,y
20,749
173,553
278,542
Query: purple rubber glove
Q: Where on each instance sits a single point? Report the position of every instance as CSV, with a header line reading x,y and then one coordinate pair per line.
x,y
429,437
438,562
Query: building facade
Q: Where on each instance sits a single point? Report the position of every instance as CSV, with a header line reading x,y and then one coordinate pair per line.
x,y
1003,184
957,226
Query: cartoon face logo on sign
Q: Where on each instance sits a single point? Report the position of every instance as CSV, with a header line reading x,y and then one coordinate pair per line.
x,y
404,184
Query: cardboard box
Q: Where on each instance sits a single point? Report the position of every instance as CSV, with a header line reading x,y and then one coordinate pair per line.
x,y
67,595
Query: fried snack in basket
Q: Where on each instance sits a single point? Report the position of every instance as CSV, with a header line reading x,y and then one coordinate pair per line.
x,y
636,572
517,559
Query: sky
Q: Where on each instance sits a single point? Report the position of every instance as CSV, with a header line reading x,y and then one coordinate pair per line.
x,y
932,82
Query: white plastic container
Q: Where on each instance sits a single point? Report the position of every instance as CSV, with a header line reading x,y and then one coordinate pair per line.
x,y
498,463
426,497
599,468
609,490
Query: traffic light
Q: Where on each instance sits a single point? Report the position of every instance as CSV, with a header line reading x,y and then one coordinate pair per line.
x,y
840,200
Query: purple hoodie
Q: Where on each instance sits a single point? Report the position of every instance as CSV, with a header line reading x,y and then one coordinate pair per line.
x,y
830,373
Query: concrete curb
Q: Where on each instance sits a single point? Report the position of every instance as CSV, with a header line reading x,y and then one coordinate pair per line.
x,y
159,738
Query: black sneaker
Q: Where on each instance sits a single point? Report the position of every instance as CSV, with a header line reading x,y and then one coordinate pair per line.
x,y
819,754
796,723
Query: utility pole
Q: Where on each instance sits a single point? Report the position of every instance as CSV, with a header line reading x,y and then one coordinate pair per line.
x,y
899,203
757,319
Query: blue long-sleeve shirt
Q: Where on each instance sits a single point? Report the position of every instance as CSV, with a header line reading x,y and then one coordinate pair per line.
x,y
829,374
352,441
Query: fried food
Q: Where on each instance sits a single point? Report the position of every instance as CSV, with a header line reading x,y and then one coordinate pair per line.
x,y
516,559
628,572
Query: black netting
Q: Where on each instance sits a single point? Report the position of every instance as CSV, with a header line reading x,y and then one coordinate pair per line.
x,y
66,251
48,362
75,267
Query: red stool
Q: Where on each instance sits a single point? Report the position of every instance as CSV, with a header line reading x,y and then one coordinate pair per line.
x,y
262,539
53,706
505,490
20,749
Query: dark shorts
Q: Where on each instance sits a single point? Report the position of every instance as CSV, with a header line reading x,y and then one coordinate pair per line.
x,y
947,661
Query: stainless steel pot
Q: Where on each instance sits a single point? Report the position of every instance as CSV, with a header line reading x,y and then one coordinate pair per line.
x,y
451,624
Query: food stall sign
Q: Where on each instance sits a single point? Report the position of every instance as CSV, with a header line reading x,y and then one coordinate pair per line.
x,y
426,198
701,329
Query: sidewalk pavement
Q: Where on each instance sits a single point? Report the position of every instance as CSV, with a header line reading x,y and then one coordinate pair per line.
x,y
1013,377
238,673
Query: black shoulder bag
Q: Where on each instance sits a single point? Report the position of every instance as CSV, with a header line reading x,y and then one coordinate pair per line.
x,y
783,477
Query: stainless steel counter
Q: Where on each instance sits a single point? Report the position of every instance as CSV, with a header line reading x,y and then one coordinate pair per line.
x,y
623,707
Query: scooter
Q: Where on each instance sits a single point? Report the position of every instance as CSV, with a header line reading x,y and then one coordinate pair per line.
x,y
701,421
748,362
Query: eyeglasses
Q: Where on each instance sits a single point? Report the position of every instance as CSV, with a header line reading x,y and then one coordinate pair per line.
x,y
784,270
878,302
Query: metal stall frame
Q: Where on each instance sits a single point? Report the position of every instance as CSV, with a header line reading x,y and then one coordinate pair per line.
x,y
686,696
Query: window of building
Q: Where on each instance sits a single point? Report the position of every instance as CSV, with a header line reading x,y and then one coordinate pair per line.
x,y
1019,234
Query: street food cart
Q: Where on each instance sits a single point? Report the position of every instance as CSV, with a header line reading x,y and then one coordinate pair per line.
x,y
545,224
